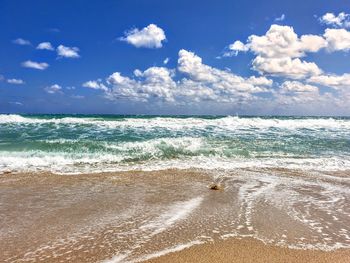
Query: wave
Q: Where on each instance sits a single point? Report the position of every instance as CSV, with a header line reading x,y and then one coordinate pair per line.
x,y
96,143
228,122
67,163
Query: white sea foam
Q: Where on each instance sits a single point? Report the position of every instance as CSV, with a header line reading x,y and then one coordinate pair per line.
x,y
120,258
169,250
172,215
65,163
228,122
124,257
154,146
178,211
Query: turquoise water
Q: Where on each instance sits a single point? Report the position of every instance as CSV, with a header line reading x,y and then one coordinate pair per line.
x,y
94,143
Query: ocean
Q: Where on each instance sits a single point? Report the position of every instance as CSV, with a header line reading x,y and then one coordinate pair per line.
x,y
102,143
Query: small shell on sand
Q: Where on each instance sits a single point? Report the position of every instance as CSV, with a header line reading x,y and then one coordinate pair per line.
x,y
214,186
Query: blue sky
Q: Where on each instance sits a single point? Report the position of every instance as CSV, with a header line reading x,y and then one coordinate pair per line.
x,y
178,57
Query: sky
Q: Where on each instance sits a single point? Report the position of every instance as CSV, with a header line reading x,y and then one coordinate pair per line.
x,y
175,57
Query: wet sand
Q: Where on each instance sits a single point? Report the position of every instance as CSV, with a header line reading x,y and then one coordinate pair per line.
x,y
250,251
138,216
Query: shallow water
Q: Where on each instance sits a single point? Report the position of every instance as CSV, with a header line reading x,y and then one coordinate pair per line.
x,y
134,216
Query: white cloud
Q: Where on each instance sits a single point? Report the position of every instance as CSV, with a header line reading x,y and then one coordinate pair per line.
x,y
341,20
281,18
158,82
166,60
15,81
148,37
279,51
67,52
337,39
220,80
153,83
332,81
22,42
282,41
124,88
296,95
199,82
287,67
53,89
260,81
45,46
92,84
235,48
195,83
35,65
297,87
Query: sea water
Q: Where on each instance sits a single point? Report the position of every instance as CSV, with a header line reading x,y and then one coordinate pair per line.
x,y
101,143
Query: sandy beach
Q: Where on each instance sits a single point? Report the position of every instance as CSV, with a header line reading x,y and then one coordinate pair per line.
x,y
140,216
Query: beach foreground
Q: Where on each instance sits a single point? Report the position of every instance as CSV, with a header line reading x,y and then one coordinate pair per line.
x,y
138,216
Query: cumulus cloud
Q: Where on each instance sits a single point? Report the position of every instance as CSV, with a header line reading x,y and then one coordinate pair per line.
x,y
337,39
35,65
193,82
53,89
260,81
45,46
340,20
285,67
282,41
332,81
220,80
235,48
196,82
68,52
93,84
22,42
153,83
150,36
279,51
16,81
297,87
294,95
